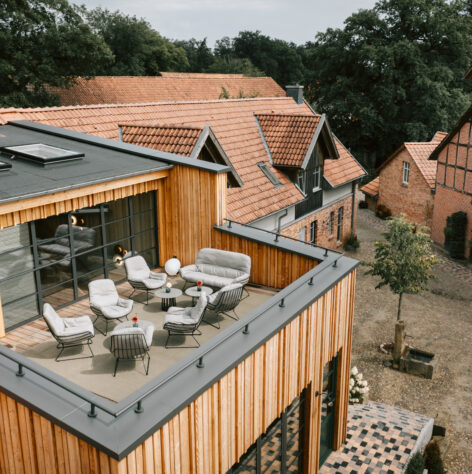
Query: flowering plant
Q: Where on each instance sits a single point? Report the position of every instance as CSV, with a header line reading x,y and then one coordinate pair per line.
x,y
358,388
135,321
168,287
199,285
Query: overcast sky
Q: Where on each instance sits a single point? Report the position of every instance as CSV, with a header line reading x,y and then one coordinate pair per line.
x,y
291,20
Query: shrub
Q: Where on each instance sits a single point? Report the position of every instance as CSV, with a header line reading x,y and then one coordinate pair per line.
x,y
358,388
432,458
351,242
363,204
383,211
416,464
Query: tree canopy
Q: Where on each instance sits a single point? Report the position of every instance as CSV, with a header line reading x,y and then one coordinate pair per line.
x,y
403,261
393,73
44,42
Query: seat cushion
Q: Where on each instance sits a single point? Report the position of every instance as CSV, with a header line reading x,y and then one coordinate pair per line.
x,y
146,328
82,323
209,280
153,283
114,312
184,318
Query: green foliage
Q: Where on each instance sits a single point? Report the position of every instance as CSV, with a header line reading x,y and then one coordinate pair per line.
x,y
403,261
234,66
455,234
432,458
44,42
351,242
199,54
392,74
416,464
138,49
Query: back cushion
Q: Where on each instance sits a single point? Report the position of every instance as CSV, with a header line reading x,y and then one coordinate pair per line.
x,y
54,321
223,258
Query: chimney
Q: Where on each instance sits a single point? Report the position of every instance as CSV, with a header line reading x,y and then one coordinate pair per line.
x,y
295,91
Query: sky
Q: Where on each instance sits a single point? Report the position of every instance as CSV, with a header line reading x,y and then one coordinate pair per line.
x,y
290,20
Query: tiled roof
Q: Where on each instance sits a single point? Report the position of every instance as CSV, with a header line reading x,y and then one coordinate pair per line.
x,y
372,187
170,87
288,136
177,139
343,169
232,122
420,152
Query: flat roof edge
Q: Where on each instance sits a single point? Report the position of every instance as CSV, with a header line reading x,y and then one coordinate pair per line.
x,y
121,146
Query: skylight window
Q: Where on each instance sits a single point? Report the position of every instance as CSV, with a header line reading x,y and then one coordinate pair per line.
x,y
43,154
4,166
269,175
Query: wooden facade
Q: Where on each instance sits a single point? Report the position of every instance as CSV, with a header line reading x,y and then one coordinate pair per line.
x,y
214,430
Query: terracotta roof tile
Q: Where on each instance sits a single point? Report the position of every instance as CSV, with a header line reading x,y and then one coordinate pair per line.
x,y
288,136
372,187
420,153
166,88
343,169
177,139
232,121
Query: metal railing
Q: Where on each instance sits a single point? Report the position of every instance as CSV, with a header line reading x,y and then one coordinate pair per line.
x,y
240,326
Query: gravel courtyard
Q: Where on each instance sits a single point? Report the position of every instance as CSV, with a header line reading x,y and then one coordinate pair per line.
x,y
440,321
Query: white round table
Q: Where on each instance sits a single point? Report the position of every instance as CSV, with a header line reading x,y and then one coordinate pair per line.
x,y
195,293
168,297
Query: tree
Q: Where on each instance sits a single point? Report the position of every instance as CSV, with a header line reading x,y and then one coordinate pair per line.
x,y
392,74
199,54
404,260
138,49
44,42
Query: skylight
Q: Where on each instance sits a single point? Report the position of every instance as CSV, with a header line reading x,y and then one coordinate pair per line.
x,y
269,175
4,166
43,154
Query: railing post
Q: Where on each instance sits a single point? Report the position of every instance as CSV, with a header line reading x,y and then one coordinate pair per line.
x,y
310,281
139,407
282,303
246,329
92,413
276,237
200,363
20,372
326,253
335,264
229,223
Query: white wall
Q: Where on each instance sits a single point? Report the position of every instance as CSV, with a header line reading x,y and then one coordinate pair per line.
x,y
336,194
271,222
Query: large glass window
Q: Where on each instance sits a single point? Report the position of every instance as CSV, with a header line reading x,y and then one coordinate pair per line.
x,y
53,260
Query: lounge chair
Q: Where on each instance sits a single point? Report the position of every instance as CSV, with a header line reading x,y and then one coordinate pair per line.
x,y
225,300
69,332
185,321
106,303
140,276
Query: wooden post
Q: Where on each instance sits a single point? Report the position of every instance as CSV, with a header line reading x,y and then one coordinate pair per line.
x,y
2,324
399,344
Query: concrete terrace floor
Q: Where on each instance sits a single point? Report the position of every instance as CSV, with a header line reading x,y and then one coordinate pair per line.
x,y
96,374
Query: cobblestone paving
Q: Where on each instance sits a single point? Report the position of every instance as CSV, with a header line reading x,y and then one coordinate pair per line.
x,y
455,268
380,439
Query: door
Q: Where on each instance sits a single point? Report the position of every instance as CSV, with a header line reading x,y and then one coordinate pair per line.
x,y
328,407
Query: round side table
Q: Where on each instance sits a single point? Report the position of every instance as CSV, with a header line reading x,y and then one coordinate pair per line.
x,y
168,298
195,293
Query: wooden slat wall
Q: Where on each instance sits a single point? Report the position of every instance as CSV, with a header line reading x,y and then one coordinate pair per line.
x,y
210,434
270,266
190,203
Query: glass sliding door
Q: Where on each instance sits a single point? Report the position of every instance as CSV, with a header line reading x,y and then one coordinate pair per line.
x,y
53,260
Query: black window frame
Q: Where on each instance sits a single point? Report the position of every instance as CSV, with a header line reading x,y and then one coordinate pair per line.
x,y
339,225
313,231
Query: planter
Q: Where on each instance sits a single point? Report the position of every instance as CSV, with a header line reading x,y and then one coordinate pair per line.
x,y
418,362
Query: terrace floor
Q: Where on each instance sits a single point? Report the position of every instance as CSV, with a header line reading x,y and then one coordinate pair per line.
x,y
96,374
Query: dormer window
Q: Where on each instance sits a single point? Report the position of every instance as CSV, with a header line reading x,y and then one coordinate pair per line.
x,y
317,178
302,180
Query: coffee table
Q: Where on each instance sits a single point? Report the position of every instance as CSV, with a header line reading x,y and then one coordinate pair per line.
x,y
168,298
195,293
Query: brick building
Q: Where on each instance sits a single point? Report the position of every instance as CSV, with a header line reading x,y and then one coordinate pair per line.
x,y
407,180
289,173
454,178
371,193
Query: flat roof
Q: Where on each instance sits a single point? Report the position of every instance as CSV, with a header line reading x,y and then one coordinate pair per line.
x,y
104,160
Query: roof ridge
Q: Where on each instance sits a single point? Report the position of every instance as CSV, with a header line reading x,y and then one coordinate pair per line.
x,y
138,104
161,125
288,115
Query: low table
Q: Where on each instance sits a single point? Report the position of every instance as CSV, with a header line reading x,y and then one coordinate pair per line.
x,y
194,293
168,298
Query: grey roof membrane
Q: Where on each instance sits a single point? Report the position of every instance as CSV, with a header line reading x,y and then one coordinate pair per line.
x,y
104,160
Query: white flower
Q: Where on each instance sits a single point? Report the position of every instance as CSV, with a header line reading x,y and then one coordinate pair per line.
x,y
354,371
359,377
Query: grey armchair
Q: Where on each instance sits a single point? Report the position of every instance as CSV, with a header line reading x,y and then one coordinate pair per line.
x,y
140,276
69,332
185,321
218,268
106,303
132,343
225,300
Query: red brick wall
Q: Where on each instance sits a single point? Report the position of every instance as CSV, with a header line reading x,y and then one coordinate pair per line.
x,y
322,216
415,199
454,171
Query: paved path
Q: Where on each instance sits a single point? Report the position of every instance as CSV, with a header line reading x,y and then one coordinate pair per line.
x,y
451,266
380,440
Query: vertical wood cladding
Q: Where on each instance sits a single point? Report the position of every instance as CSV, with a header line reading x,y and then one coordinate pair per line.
x,y
213,431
